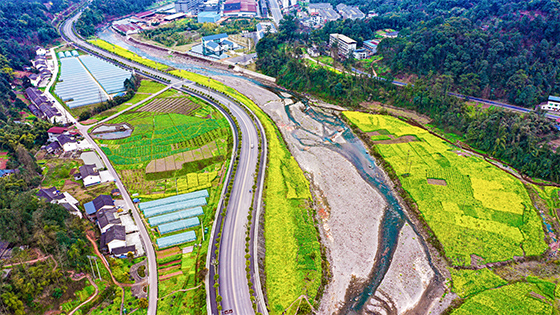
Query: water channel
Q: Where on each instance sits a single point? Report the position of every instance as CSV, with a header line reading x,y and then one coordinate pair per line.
x,y
352,149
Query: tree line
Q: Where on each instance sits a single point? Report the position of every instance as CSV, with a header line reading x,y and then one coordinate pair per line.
x,y
518,139
494,49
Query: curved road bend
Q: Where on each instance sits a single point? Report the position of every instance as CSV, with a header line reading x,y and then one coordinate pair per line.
x,y
233,282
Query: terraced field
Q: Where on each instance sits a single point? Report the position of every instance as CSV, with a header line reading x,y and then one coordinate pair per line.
x,y
170,152
479,213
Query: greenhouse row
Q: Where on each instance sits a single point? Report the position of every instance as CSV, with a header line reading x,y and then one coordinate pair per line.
x,y
175,199
76,87
178,225
109,76
174,207
176,239
179,215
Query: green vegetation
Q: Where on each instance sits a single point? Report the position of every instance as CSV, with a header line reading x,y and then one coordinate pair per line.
x,y
57,172
518,298
117,50
491,130
151,160
177,271
469,282
145,90
472,207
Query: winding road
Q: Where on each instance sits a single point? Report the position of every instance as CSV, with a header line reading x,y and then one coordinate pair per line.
x,y
232,275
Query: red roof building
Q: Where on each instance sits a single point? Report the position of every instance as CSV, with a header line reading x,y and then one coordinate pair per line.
x,y
145,14
57,130
240,7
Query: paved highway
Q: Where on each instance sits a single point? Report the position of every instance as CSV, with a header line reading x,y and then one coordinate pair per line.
x,y
232,275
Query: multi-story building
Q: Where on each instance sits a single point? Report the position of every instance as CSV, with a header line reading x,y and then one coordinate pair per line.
x,y
187,5
346,45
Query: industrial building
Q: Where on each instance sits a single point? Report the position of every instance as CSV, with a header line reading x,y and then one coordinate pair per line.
x,y
208,17
324,10
346,45
187,6
240,8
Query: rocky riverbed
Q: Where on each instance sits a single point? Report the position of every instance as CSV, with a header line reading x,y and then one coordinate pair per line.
x,y
350,218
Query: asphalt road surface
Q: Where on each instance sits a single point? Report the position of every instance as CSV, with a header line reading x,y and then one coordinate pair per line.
x,y
232,275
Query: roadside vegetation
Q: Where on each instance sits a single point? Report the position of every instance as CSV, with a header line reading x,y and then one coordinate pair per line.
x,y
294,263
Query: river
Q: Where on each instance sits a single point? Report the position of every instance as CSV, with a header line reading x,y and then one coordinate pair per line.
x,y
351,149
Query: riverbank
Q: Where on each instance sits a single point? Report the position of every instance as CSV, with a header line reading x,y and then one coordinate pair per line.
x,y
350,211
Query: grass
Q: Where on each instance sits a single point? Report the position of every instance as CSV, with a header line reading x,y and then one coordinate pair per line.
x,y
518,298
56,172
482,211
469,282
117,50
145,90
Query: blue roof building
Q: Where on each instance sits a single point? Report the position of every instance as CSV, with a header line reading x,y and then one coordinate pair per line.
x,y
215,38
90,208
208,17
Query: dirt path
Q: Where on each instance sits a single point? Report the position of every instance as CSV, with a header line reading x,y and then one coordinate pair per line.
x,y
90,298
106,264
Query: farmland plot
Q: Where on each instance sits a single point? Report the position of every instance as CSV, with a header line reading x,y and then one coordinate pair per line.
x,y
169,132
480,215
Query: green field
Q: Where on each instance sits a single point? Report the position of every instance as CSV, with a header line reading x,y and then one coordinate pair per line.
x,y
469,282
164,136
518,298
476,210
145,90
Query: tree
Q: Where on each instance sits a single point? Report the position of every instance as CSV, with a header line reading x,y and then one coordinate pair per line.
x,y
143,303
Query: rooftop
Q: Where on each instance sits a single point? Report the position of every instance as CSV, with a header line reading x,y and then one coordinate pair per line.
x,y
214,37
88,170
50,194
554,98
57,130
344,38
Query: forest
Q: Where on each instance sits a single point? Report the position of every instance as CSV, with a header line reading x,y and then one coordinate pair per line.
x,y
520,140
492,49
25,24
25,220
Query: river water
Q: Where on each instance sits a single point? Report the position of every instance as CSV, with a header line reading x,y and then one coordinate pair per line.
x,y
352,149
